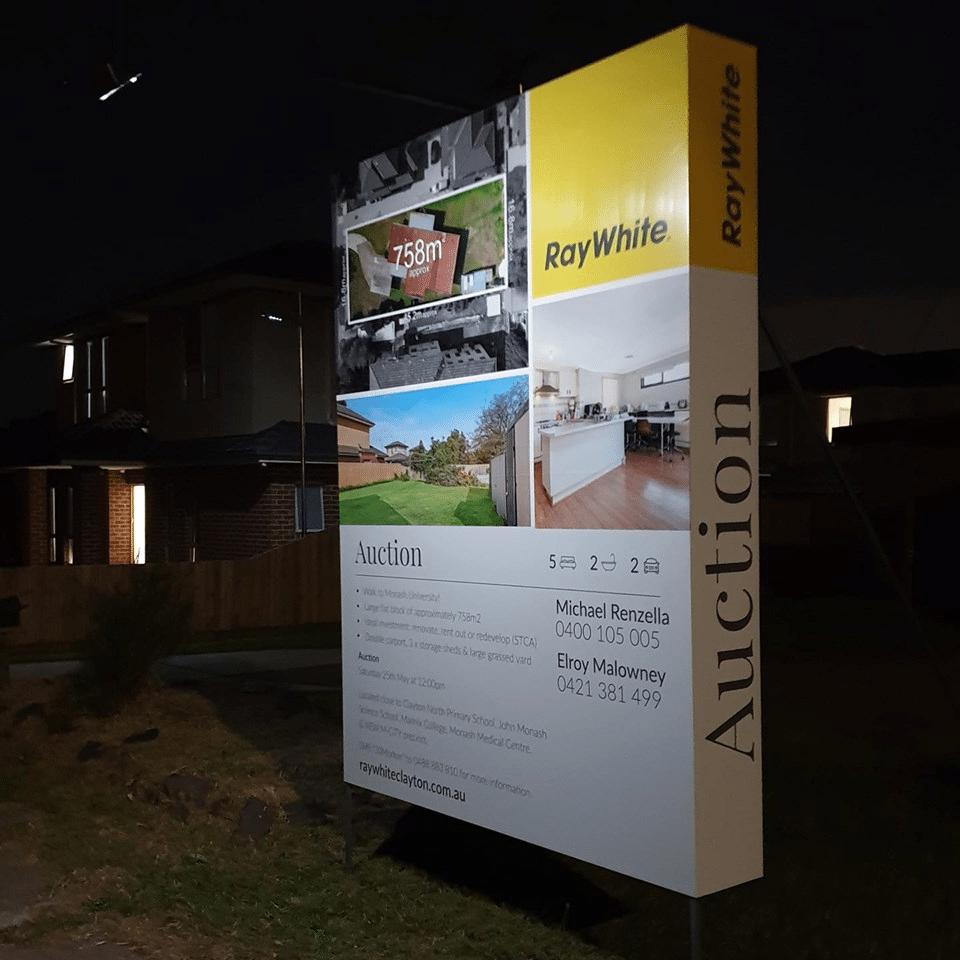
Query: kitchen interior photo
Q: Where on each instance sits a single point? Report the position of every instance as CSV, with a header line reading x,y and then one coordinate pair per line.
x,y
611,409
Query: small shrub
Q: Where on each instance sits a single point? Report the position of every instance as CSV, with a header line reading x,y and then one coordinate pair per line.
x,y
129,630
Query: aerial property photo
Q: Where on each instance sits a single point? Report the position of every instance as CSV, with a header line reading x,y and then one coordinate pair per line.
x,y
432,253
451,247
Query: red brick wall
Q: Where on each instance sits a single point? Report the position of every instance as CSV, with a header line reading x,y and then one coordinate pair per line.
x,y
37,529
119,514
331,499
91,543
228,513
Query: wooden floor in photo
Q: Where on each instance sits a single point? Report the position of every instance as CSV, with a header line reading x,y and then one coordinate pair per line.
x,y
648,492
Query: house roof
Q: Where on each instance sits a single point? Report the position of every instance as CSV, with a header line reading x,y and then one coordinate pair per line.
x,y
344,411
849,368
908,432
286,267
467,361
122,439
420,364
474,146
119,437
279,444
426,362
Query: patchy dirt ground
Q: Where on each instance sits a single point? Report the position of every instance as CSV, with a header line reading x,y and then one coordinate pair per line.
x,y
204,823
179,767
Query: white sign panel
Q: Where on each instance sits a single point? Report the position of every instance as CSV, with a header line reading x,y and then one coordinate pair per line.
x,y
546,424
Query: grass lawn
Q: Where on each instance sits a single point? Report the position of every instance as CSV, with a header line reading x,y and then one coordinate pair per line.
x,y
412,502
862,838
129,864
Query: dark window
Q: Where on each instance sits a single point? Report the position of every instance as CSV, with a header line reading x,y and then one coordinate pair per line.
x,y
60,520
95,402
201,355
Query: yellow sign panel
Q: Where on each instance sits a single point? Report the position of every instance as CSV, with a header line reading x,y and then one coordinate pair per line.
x,y
723,153
643,162
608,162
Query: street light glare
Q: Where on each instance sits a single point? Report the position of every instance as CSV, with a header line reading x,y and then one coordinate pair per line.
x,y
120,86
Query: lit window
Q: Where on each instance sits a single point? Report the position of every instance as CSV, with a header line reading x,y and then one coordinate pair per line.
x,y
838,414
138,525
67,374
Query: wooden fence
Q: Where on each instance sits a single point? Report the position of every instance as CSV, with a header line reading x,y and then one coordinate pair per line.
x,y
297,583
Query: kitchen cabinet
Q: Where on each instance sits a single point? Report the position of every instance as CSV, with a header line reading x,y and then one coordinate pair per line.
x,y
567,384
575,454
590,387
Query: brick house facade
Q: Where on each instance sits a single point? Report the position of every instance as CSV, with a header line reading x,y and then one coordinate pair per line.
x,y
226,513
173,435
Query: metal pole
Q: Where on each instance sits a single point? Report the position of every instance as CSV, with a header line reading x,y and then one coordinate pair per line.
x,y
347,826
303,423
695,919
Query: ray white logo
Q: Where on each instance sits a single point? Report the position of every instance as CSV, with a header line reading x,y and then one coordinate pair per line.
x,y
733,570
730,153
618,238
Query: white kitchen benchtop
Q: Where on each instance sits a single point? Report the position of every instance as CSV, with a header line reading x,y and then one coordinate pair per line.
x,y
577,426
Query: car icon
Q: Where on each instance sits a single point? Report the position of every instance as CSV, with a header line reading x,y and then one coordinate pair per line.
x,y
651,565
568,563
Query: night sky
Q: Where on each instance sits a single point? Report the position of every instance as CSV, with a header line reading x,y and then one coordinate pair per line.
x,y
244,109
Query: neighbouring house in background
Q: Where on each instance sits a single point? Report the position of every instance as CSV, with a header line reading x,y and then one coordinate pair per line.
x,y
360,462
894,423
398,452
176,433
353,438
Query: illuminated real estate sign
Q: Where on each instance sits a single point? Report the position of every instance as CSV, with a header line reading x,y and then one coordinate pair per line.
x,y
547,431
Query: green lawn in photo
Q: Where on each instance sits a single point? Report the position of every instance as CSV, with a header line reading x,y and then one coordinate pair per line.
x,y
412,502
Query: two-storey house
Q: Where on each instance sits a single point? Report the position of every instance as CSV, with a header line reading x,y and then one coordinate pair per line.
x,y
177,426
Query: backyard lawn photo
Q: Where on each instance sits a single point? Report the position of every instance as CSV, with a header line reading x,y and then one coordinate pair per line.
x,y
452,455
406,501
